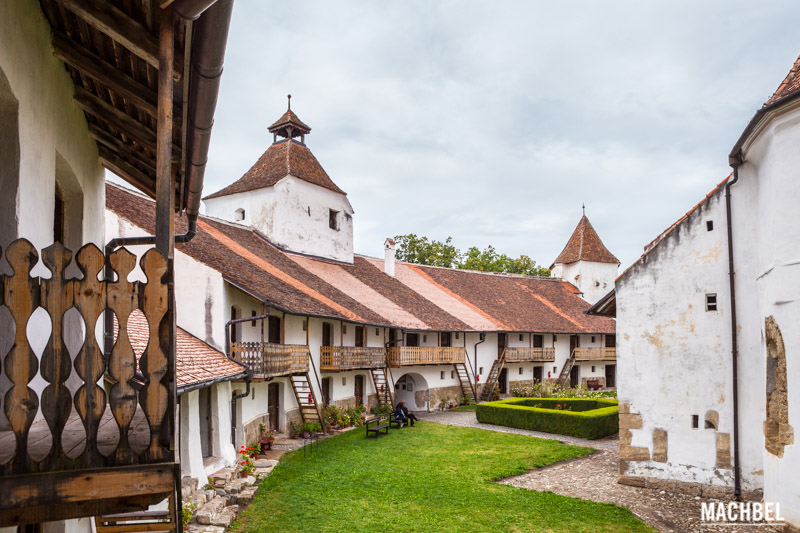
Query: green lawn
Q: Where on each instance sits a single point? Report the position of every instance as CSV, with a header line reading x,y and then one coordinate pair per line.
x,y
427,478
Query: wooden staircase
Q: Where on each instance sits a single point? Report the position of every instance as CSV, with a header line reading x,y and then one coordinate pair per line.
x,y
382,386
563,378
467,386
491,380
306,398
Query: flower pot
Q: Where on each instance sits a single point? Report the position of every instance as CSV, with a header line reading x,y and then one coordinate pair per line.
x,y
306,434
295,436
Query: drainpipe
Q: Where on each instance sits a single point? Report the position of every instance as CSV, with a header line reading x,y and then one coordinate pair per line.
x,y
475,351
735,161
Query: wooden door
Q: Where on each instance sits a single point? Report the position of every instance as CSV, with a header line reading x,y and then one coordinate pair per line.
x,y
273,405
538,341
412,339
444,339
502,381
359,390
326,391
234,327
575,376
611,341
360,336
501,343
327,334
574,342
274,329
537,374
206,430
611,375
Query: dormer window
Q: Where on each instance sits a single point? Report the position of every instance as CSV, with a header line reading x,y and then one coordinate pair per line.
x,y
238,215
333,219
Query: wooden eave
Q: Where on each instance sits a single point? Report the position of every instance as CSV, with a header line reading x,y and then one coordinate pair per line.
x,y
110,50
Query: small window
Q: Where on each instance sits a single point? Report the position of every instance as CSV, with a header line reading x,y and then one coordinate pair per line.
x,y
442,374
593,369
480,370
520,371
305,325
709,225
377,331
254,394
344,329
253,314
592,339
239,215
520,336
555,368
333,219
309,210
457,334
452,374
695,421
555,339
711,302
344,381
424,338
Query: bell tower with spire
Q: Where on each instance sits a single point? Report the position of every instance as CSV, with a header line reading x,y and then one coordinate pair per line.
x,y
586,262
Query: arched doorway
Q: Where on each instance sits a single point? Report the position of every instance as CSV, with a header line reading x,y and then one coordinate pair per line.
x,y
412,389
358,390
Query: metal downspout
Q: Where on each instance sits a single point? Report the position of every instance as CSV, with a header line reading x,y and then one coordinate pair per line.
x,y
735,162
482,337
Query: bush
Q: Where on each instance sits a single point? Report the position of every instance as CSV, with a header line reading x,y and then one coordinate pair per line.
x,y
587,418
382,410
554,390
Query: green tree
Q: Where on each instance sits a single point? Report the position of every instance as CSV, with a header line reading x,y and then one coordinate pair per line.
x,y
423,251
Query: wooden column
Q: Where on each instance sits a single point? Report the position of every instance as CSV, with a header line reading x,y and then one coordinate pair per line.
x,y
165,191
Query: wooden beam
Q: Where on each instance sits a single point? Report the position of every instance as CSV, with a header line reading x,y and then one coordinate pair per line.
x,y
112,21
116,146
107,74
105,111
165,189
126,171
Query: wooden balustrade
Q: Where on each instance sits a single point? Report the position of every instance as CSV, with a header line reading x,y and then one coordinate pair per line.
x,y
425,355
338,358
522,354
595,354
269,360
63,436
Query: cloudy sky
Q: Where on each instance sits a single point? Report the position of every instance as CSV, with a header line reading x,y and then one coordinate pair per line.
x,y
492,122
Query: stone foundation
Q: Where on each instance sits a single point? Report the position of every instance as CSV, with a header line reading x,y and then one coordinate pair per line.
x,y
601,379
350,401
435,395
627,422
685,487
519,384
251,431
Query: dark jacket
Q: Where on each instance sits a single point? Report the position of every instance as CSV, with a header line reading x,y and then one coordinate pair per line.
x,y
399,414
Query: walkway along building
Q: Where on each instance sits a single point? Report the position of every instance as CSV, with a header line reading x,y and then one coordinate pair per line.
x,y
709,329
272,280
87,85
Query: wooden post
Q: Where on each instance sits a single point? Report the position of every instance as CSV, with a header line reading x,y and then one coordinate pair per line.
x,y
165,190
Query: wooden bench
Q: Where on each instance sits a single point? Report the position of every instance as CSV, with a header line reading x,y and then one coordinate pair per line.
x,y
376,429
394,422
594,384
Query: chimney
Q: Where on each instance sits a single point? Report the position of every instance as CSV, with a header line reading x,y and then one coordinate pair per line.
x,y
388,258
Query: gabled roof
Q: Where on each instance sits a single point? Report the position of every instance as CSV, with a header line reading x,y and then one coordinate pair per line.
x,y
196,362
285,158
585,245
789,85
289,119
418,297
649,247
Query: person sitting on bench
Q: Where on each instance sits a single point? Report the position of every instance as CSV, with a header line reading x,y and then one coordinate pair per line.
x,y
410,416
399,414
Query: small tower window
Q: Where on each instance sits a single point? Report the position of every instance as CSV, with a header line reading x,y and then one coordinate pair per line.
x,y
333,219
709,225
711,302
238,215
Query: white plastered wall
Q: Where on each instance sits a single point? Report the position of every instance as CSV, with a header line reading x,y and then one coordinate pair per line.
x,y
593,279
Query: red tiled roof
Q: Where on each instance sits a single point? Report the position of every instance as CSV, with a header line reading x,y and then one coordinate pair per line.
x,y
585,245
664,234
281,159
196,362
289,119
789,85
417,298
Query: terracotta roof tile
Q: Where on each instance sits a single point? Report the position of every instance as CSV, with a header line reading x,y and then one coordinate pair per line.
x,y
425,298
289,119
284,158
789,85
585,245
196,362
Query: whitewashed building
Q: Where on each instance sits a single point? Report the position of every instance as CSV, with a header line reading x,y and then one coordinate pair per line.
x,y
709,329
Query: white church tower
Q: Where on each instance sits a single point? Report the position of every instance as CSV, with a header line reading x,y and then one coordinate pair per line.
x,y
586,263
289,198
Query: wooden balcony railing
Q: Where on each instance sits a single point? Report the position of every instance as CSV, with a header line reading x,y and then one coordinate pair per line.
x,y
338,358
75,450
272,360
517,355
595,354
425,355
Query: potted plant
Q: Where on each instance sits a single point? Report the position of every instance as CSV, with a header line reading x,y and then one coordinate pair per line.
x,y
267,439
294,430
247,464
189,507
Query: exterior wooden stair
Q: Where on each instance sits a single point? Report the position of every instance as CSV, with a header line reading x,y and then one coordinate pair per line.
x,y
143,521
306,398
384,389
491,380
563,378
467,385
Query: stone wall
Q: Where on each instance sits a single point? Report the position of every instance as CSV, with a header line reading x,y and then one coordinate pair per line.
x,y
601,379
251,429
434,395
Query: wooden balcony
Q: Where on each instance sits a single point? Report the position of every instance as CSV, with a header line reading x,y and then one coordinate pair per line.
x,y
338,358
77,450
272,360
519,355
425,355
595,354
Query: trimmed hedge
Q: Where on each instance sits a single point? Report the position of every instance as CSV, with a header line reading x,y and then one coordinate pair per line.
x,y
588,418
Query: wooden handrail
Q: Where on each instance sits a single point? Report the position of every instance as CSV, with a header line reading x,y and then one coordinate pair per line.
x,y
272,360
515,355
337,358
425,355
595,354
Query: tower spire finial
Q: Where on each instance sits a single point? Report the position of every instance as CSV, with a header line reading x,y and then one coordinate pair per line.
x,y
584,209
289,97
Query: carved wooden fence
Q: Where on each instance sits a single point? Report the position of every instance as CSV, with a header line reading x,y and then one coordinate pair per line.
x,y
91,297
337,358
425,355
272,360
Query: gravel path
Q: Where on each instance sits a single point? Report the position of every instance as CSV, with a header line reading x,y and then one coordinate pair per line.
x,y
594,478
